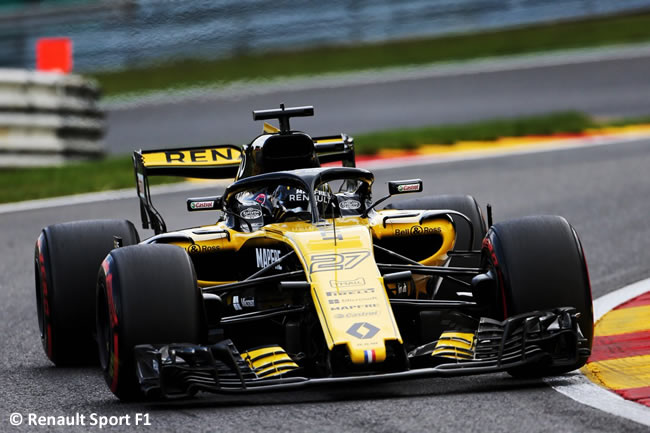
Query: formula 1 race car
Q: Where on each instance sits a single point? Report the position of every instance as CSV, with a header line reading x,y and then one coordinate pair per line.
x,y
305,280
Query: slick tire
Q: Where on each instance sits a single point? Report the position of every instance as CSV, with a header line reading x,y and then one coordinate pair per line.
x,y
66,259
146,294
465,204
539,264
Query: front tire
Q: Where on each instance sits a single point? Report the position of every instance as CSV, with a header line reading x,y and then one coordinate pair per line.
x,y
539,264
146,294
66,259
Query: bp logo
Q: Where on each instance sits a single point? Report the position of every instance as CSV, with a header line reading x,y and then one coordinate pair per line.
x,y
362,330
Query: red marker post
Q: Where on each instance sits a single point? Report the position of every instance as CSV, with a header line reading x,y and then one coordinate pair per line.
x,y
54,55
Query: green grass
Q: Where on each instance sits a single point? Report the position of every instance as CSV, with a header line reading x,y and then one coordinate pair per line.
x,y
629,121
31,183
547,37
567,122
117,172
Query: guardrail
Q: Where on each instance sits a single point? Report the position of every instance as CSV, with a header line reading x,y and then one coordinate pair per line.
x,y
48,118
123,34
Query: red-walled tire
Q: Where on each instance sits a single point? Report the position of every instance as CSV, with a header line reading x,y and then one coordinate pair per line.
x,y
67,257
146,294
539,264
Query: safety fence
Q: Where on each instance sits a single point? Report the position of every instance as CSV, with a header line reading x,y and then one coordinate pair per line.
x,y
115,34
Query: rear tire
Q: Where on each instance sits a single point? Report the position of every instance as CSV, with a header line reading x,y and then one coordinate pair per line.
x,y
146,294
539,264
67,257
467,205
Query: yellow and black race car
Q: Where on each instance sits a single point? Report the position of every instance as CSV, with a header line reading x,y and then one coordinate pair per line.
x,y
305,280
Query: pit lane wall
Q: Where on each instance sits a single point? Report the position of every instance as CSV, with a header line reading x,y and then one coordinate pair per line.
x,y
48,118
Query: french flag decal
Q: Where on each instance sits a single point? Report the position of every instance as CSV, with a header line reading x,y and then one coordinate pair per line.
x,y
369,356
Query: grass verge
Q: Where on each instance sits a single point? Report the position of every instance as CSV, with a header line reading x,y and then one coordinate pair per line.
x,y
411,138
543,37
117,172
18,184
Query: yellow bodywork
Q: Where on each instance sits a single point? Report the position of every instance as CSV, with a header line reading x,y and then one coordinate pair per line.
x,y
456,345
202,157
346,285
269,361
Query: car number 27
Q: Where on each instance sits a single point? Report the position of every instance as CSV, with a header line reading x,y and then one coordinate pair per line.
x,y
337,262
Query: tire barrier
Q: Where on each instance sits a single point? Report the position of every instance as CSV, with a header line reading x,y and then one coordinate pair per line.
x,y
48,118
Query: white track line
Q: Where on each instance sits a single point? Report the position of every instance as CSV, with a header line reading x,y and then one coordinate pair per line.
x,y
578,387
377,165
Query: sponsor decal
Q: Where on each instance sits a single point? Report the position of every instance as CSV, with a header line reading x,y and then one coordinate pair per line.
x,y
198,249
408,187
202,204
348,283
350,300
359,314
239,303
329,236
418,231
363,330
141,191
300,195
266,256
352,307
199,155
363,291
251,213
362,314
337,262
350,204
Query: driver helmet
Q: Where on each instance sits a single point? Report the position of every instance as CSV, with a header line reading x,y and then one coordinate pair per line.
x,y
293,202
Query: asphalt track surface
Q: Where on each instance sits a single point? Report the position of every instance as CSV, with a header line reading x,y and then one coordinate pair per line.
x,y
614,87
603,192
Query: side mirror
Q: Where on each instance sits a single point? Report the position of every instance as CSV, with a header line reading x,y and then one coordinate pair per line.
x,y
404,186
396,187
204,203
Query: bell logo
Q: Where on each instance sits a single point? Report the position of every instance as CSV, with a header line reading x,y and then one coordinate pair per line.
x,y
363,330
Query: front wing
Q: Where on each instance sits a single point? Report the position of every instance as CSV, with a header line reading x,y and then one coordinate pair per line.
x,y
539,338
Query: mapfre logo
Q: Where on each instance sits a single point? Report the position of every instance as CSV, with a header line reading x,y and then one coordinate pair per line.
x,y
266,256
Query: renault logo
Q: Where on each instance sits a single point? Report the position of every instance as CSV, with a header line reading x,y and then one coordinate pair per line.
x,y
363,330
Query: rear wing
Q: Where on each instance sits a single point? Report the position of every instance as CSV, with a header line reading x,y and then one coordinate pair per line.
x,y
214,162
333,148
